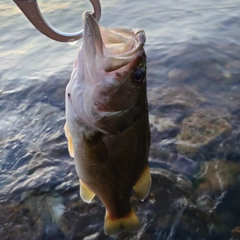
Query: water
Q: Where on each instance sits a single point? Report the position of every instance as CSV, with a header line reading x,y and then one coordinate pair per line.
x,y
193,50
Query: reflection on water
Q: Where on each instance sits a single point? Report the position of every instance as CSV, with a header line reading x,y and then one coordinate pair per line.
x,y
193,90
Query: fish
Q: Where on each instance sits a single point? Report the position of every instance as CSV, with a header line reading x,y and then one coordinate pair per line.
x,y
107,125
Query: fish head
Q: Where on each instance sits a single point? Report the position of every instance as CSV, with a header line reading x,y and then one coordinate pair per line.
x,y
113,75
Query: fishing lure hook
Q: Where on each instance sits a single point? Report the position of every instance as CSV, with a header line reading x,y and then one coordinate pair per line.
x,y
32,12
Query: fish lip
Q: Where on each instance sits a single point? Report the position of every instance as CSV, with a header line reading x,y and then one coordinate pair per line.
x,y
92,38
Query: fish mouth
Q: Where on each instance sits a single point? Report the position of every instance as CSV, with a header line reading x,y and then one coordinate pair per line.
x,y
110,49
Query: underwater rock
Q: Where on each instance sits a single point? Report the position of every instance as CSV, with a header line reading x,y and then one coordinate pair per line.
x,y
162,150
206,202
229,147
81,219
183,165
15,223
166,179
174,214
179,98
48,207
217,176
200,130
38,217
161,124
173,208
236,233
51,232
162,128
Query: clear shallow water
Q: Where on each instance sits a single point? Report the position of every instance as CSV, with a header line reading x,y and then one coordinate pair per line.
x,y
193,50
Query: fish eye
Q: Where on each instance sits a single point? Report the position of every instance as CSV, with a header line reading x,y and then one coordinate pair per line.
x,y
138,75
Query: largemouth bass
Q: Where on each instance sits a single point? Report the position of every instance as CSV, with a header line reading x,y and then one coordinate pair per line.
x,y
107,123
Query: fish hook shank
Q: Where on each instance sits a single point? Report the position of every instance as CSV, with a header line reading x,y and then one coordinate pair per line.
x,y
32,12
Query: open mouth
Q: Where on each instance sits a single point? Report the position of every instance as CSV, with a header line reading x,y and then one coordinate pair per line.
x,y
114,48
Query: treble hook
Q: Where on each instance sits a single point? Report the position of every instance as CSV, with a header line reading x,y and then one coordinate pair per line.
x,y
32,12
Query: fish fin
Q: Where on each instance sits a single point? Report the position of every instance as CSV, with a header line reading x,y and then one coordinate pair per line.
x,y
114,225
69,138
86,194
143,185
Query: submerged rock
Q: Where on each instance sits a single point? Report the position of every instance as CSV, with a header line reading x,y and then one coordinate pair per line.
x,y
200,130
217,176
162,128
173,98
236,233
176,208
229,148
15,223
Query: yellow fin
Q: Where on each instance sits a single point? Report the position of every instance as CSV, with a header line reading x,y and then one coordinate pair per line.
x,y
69,138
85,193
129,223
143,185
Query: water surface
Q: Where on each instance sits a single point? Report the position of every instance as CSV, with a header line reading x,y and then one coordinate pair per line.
x,y
193,50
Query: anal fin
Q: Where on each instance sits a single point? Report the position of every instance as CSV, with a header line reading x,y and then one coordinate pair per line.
x,y
69,138
114,225
143,185
86,194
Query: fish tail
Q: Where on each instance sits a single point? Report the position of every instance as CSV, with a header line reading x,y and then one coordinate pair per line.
x,y
114,225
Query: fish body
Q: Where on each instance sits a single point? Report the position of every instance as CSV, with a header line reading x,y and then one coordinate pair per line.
x,y
107,123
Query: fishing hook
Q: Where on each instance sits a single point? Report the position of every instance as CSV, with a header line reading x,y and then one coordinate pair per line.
x,y
32,12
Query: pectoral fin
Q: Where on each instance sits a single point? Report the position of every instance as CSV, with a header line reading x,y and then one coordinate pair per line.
x,y
85,193
69,138
143,185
